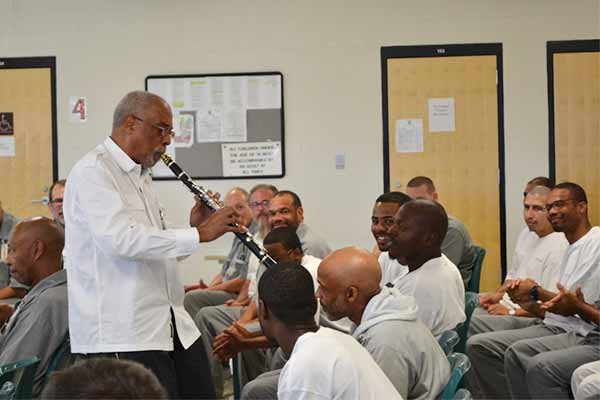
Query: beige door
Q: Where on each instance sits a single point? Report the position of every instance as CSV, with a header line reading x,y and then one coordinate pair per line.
x,y
464,163
26,92
576,89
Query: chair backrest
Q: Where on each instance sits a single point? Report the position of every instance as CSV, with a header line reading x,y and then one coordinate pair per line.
x,y
448,340
471,303
477,265
459,365
16,379
61,357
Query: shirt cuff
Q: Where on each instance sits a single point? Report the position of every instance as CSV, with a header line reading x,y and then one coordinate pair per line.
x,y
187,241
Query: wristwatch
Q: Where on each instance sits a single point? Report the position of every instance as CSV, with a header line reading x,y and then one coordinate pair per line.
x,y
533,293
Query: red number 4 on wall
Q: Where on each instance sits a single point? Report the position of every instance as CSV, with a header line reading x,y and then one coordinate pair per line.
x,y
78,107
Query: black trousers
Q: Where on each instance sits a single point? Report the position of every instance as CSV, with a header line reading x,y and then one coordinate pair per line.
x,y
185,374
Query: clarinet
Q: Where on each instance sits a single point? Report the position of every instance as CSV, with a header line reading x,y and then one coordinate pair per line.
x,y
246,238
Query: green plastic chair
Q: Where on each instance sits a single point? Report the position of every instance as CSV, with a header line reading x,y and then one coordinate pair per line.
x,y
459,365
61,358
448,340
477,266
16,379
471,303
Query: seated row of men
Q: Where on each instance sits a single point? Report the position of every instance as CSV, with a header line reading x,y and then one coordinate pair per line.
x,y
416,366
413,288
529,339
286,215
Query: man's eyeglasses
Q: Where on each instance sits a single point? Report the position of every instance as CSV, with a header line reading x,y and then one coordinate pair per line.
x,y
558,204
164,130
256,204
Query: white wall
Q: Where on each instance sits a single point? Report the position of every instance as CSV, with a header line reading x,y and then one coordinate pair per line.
x,y
328,52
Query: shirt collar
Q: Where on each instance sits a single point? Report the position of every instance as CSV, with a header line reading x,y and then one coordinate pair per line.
x,y
56,279
123,160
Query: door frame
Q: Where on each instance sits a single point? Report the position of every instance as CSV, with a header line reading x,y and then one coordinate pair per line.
x,y
451,50
552,48
41,62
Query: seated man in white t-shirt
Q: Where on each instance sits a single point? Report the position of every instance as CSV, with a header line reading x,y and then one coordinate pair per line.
x,y
382,218
538,254
513,356
435,283
228,334
384,322
322,363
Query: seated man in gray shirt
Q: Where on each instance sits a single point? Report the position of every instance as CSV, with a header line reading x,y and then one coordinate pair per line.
x,y
39,323
385,323
227,284
457,245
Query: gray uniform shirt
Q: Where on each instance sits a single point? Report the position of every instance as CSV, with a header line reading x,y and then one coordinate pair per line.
x,y
8,223
312,244
458,247
236,265
38,326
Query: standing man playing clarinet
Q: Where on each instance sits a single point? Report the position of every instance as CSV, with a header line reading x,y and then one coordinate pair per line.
x,y
125,295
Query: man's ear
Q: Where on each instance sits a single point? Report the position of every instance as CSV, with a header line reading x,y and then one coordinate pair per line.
x,y
430,238
38,248
297,254
129,123
582,207
300,212
263,311
352,294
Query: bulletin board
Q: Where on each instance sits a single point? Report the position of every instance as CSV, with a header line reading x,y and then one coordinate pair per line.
x,y
227,126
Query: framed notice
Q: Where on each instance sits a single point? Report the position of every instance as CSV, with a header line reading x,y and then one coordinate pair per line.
x,y
227,126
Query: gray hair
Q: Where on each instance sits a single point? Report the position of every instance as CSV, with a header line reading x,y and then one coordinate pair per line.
x,y
263,186
134,103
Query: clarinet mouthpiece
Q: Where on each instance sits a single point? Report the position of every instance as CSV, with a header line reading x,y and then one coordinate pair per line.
x,y
166,158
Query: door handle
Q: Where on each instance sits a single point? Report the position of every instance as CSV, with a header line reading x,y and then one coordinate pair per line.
x,y
44,200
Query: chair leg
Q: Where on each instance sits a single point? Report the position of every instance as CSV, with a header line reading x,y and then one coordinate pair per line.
x,y
237,389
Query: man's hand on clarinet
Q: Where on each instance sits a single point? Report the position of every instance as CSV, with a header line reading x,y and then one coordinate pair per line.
x,y
220,222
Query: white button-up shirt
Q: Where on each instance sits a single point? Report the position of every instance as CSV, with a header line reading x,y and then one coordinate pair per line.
x,y
121,260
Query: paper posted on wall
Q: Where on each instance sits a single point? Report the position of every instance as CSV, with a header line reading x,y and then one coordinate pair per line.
x,y
409,135
442,116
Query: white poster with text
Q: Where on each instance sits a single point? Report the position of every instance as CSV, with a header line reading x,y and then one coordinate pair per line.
x,y
248,159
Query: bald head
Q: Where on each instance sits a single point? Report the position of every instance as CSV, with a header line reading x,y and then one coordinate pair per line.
x,y
35,250
237,198
45,230
352,266
348,278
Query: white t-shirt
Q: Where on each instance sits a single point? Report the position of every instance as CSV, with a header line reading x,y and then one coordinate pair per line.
x,y
328,364
538,258
391,270
580,266
438,288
